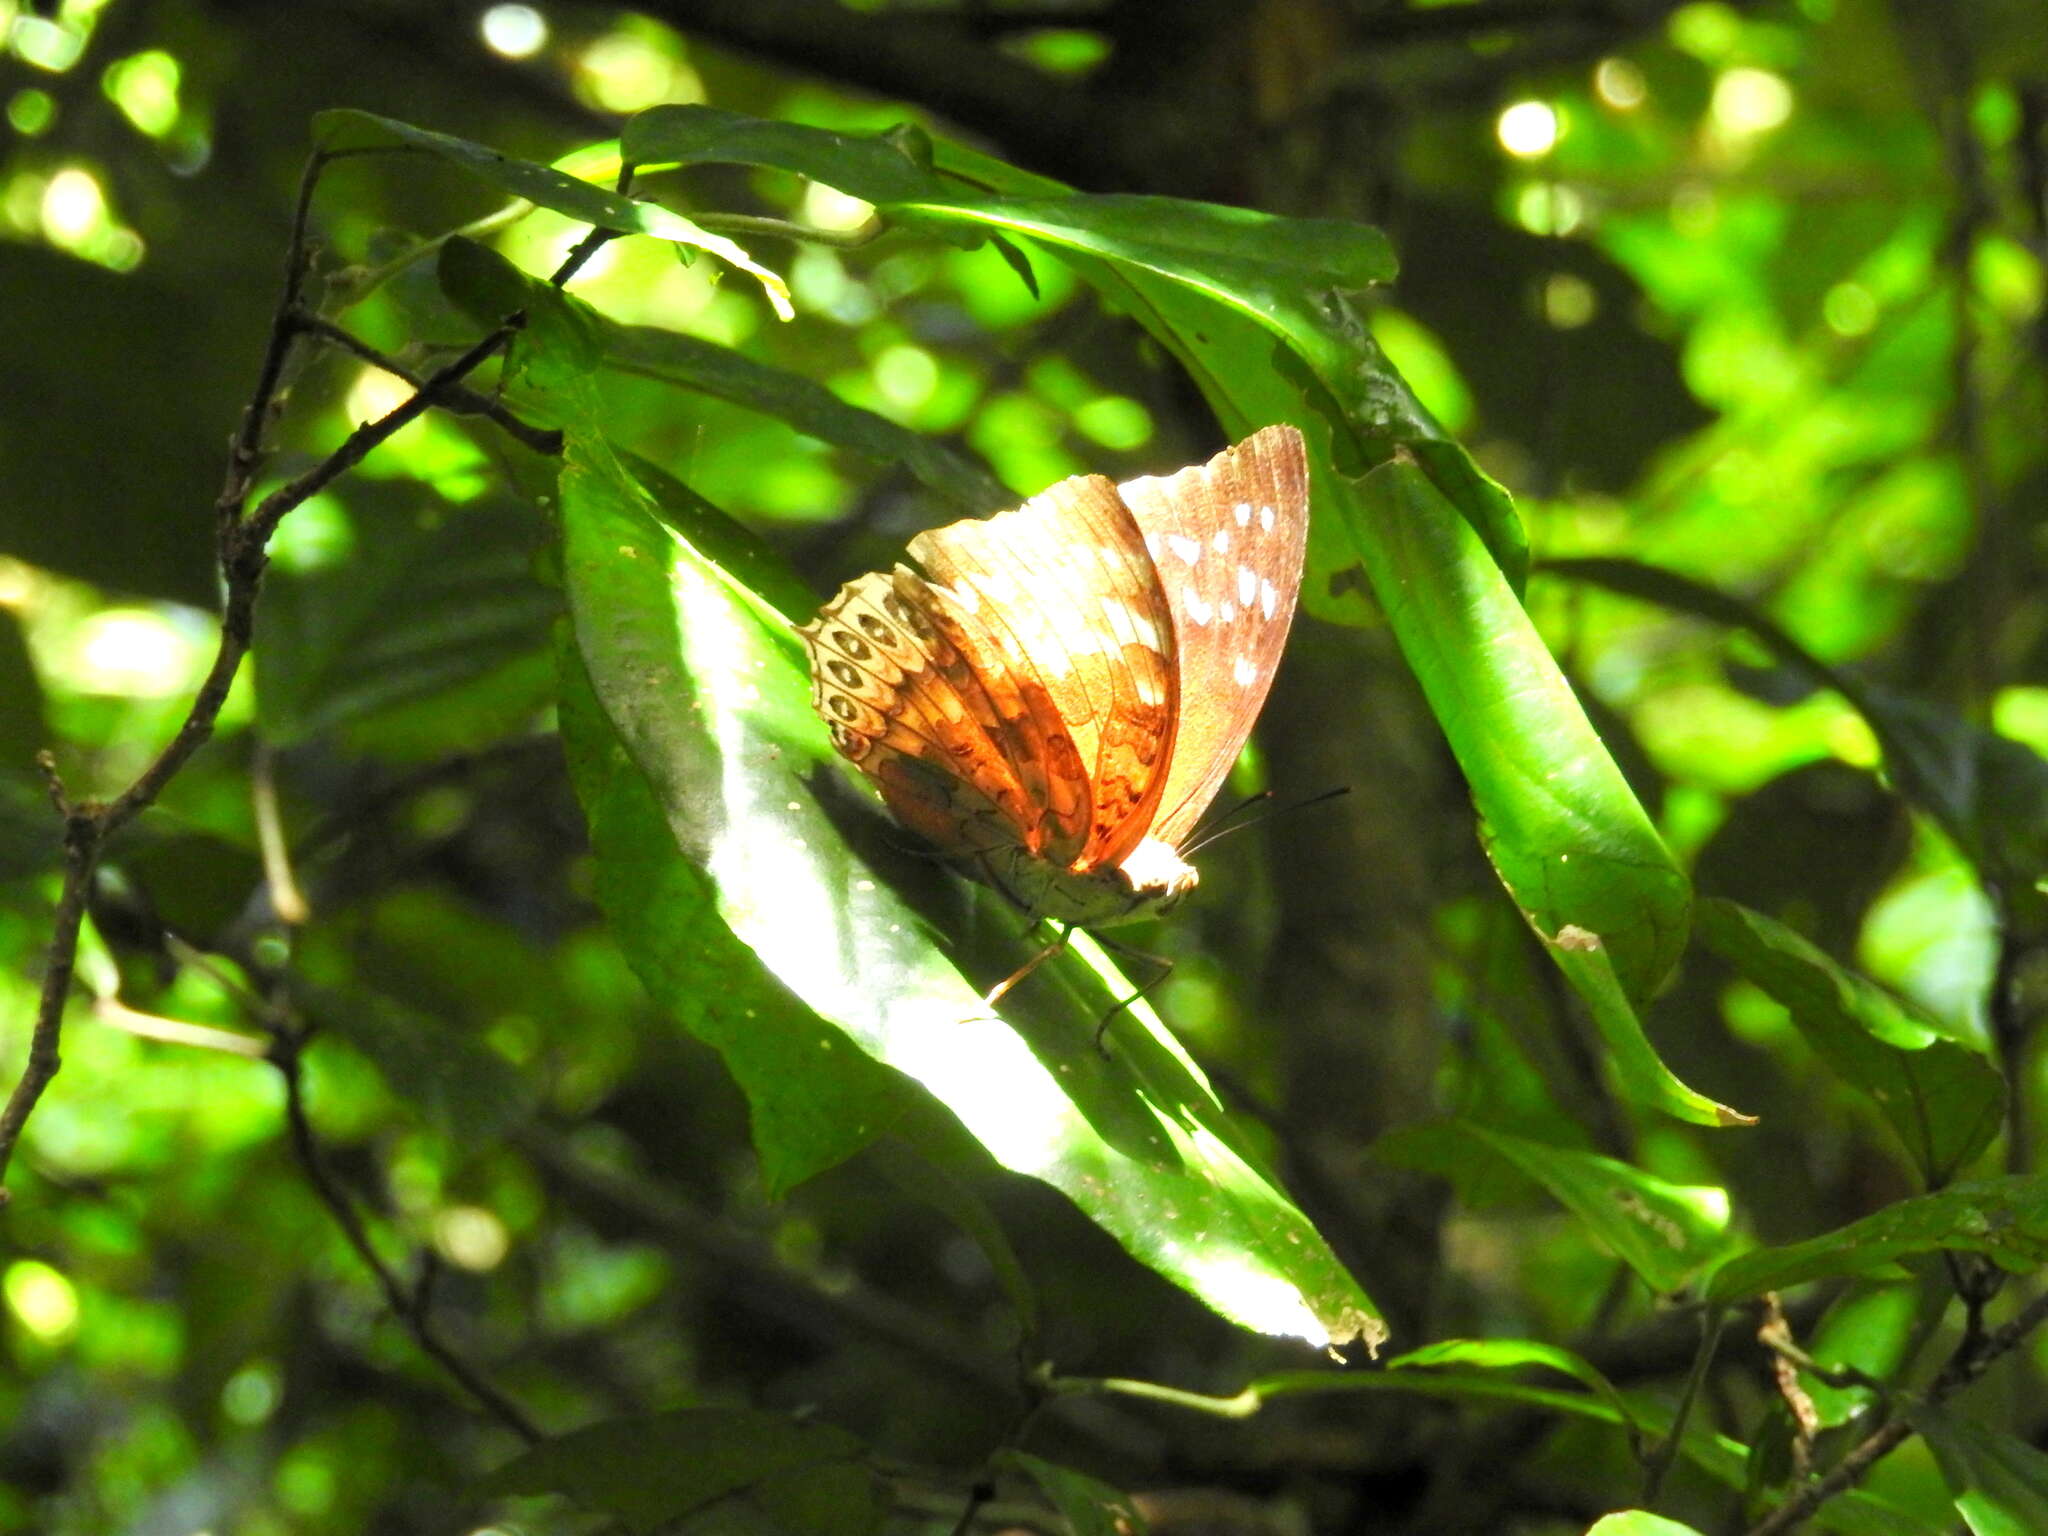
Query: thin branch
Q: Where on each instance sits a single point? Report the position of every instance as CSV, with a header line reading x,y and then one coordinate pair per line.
x,y
242,540
458,400
1970,1360
411,1304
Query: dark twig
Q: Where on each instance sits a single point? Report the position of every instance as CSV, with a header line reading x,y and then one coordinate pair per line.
x,y
459,399
412,1305
242,540
1970,1360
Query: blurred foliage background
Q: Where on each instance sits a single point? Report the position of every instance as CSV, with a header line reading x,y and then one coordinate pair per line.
x,y
1752,293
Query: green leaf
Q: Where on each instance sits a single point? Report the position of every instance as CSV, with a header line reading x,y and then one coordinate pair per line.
x,y
1566,834
1999,1481
344,131
704,685
431,599
563,337
877,168
812,1101
1987,791
1638,1522
1638,1068
1089,1507
805,404
2005,1219
1665,1232
649,1472
1254,307
1514,1355
920,1174
1941,1097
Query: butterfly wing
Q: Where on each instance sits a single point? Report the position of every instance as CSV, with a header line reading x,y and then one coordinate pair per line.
x,y
1072,621
906,707
1228,538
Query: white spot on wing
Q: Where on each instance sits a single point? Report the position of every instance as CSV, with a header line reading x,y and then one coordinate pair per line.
x,y
1227,611
1192,604
1243,671
1268,598
1152,546
1266,518
1243,513
1247,585
1222,541
1188,549
1147,630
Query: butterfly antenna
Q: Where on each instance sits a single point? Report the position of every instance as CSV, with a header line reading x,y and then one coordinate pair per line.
x,y
1216,824
1228,824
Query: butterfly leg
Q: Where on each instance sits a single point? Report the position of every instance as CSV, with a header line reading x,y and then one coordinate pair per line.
x,y
1001,989
1127,952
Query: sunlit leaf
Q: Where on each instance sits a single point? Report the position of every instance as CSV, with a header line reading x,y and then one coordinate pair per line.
x,y
2005,1219
1639,1522
1514,1355
1436,541
344,130
1942,1098
803,403
650,1472
1637,1067
1565,833
877,168
704,686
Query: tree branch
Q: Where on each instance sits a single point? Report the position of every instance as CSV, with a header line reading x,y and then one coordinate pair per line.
x,y
1971,1359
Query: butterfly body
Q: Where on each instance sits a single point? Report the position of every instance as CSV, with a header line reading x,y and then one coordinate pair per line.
x,y
1056,699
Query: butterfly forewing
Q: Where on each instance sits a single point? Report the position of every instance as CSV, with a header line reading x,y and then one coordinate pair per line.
x,y
1070,598
1228,538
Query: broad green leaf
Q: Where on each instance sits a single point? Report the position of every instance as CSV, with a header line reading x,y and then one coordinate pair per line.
x,y
1988,792
562,337
649,1472
432,598
1565,833
805,404
877,168
1639,1522
344,130
1089,1507
812,1100
2000,1482
1638,1068
1512,1355
2005,1219
705,688
1255,308
1941,1097
1665,1232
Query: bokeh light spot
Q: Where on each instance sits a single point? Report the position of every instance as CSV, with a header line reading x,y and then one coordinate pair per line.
x,y
1528,129
513,31
1750,101
1849,309
42,1299
1620,85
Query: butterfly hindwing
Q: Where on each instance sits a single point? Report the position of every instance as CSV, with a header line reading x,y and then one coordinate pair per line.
x,y
1064,589
1227,538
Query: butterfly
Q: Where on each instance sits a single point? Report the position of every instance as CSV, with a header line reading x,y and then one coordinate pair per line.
x,y
1056,699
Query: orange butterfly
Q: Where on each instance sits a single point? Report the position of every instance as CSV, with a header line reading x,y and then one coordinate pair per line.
x,y
1056,700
